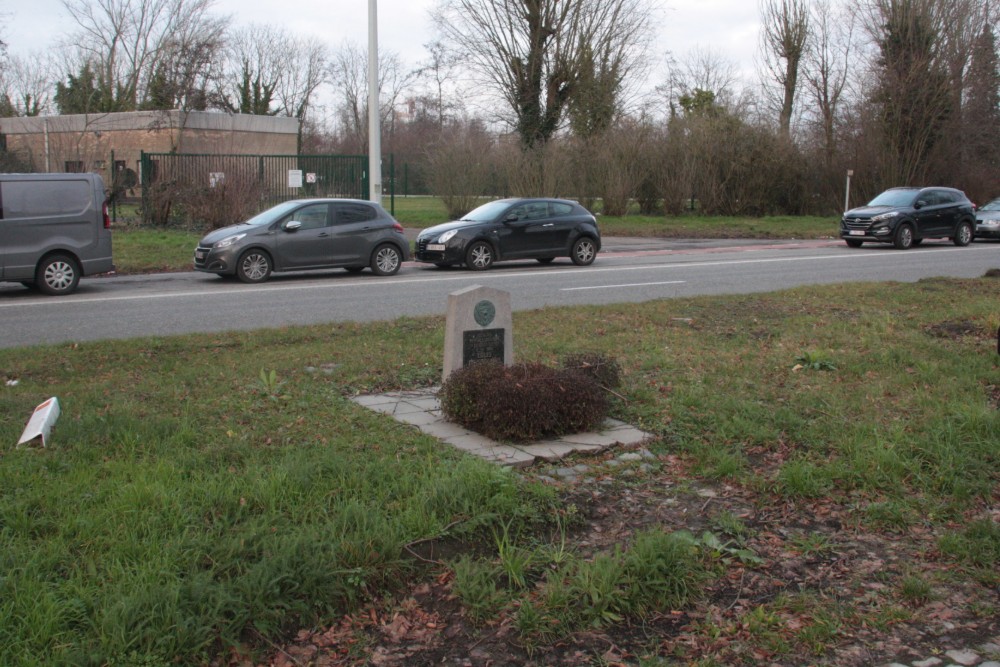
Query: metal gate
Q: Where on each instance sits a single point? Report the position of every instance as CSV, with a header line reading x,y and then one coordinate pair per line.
x,y
275,178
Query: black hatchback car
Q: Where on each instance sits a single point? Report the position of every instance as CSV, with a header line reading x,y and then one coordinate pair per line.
x,y
540,229
906,216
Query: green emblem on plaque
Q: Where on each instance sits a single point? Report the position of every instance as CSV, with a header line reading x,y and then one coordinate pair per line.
x,y
484,312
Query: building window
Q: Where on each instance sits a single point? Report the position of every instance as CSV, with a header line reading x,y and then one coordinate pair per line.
x,y
74,166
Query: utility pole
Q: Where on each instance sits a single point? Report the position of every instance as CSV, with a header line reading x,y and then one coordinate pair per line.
x,y
374,127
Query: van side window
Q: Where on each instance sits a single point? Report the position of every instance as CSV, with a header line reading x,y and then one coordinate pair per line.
x,y
23,199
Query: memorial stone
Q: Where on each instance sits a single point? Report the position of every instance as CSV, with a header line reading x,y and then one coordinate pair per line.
x,y
478,328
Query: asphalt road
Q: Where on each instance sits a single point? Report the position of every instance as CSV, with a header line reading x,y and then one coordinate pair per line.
x,y
627,270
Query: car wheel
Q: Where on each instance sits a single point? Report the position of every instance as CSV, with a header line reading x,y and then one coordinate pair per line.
x,y
963,235
479,256
386,260
904,237
57,274
854,243
545,260
254,266
584,251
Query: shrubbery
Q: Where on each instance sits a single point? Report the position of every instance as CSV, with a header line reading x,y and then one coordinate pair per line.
x,y
529,401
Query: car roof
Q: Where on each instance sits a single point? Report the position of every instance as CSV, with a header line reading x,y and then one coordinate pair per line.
x,y
513,200
332,199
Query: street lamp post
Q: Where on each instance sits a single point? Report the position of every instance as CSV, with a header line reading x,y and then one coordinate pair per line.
x,y
374,128
847,194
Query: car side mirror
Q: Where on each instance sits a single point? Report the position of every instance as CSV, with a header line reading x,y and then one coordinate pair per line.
x,y
511,217
292,225
920,204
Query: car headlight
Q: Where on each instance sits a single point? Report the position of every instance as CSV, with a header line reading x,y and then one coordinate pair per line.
x,y
885,216
229,240
447,236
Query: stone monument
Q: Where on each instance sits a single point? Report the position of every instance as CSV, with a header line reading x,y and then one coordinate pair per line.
x,y
478,328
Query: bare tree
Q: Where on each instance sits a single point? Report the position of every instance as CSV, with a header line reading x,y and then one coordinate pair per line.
x,y
126,41
190,64
784,39
349,74
255,64
304,72
439,69
530,53
912,97
27,84
982,118
826,69
702,72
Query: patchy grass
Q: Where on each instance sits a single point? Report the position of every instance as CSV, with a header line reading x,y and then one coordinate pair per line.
x,y
215,493
138,250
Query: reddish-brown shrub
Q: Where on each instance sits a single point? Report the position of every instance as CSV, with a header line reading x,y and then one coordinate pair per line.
x,y
522,402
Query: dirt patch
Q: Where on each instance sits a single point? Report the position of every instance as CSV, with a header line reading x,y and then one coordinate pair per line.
x,y
822,590
957,329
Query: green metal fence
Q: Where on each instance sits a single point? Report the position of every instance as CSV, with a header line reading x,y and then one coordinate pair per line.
x,y
279,177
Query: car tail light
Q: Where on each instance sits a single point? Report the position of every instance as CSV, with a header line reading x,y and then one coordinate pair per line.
x,y
104,212
398,227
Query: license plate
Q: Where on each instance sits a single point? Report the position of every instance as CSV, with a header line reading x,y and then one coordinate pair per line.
x,y
857,232
199,254
435,247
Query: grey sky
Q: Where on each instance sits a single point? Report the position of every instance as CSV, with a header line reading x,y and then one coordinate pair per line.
x,y
728,27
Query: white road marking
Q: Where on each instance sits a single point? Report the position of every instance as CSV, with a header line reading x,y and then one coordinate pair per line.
x,y
668,282
465,276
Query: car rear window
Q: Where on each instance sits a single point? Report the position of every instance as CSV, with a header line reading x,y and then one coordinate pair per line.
x,y
347,213
560,209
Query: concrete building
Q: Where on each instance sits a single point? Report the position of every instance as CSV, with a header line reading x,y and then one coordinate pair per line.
x,y
111,143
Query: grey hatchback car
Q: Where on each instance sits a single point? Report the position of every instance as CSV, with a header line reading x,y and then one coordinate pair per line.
x,y
305,234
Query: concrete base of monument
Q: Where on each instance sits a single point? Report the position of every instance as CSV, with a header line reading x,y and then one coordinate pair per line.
x,y
421,409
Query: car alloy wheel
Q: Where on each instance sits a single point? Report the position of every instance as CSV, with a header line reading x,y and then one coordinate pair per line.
x,y
386,260
480,256
904,237
963,235
254,266
583,252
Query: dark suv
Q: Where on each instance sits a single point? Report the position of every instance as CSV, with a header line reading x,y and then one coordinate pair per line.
x,y
906,216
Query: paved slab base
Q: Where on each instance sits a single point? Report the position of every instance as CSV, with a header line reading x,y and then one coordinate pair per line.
x,y
422,409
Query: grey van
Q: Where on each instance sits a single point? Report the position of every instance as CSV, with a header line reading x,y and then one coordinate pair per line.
x,y
54,228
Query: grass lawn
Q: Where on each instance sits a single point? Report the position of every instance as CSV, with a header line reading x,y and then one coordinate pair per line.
x,y
824,475
142,250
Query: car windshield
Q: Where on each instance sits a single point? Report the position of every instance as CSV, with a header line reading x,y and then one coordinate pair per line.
x,y
894,198
271,214
992,206
486,212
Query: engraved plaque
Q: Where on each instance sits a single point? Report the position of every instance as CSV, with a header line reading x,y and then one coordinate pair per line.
x,y
482,345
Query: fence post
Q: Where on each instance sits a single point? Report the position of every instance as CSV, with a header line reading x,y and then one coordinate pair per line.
x,y
392,183
114,195
143,183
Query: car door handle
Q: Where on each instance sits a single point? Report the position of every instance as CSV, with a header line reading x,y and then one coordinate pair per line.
x,y
549,224
323,235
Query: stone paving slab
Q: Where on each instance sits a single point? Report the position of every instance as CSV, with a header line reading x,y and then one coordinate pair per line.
x,y
422,409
